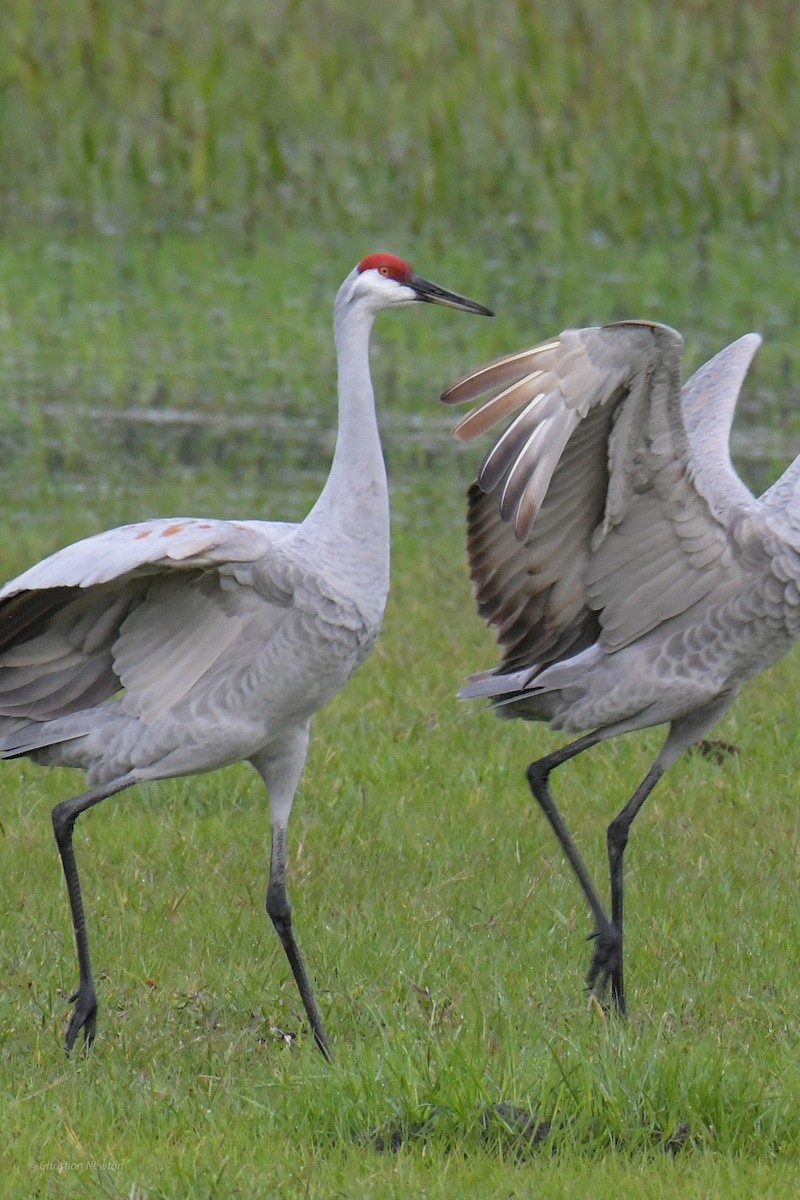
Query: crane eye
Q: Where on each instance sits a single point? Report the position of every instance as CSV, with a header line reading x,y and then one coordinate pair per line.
x,y
384,270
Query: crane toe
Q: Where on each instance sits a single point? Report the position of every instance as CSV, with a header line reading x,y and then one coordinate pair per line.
x,y
84,1017
606,966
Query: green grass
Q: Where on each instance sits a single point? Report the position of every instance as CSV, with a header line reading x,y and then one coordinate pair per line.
x,y
181,190
557,119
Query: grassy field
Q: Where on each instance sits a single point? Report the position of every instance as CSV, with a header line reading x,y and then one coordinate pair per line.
x,y
551,118
181,194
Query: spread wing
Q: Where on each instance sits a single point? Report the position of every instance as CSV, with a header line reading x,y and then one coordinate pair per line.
x,y
708,403
596,514
148,607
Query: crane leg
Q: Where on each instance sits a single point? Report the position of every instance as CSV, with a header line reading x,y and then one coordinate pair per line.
x,y
280,913
64,816
607,958
616,841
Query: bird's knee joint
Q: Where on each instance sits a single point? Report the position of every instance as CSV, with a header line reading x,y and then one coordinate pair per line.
x,y
617,835
279,910
63,823
537,774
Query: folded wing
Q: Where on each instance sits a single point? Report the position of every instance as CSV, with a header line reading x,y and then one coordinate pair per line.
x,y
148,608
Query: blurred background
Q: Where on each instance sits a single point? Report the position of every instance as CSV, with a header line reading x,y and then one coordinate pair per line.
x,y
540,124
184,183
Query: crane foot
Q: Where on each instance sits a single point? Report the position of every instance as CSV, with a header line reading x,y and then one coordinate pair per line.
x,y
84,1017
606,966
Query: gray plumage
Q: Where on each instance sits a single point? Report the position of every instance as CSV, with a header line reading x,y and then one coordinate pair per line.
x,y
631,576
179,645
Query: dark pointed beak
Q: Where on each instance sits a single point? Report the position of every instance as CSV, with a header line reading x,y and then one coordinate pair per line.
x,y
431,293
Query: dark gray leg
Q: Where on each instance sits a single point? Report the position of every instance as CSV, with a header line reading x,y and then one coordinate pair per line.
x,y
84,1015
607,960
607,957
616,841
280,766
280,913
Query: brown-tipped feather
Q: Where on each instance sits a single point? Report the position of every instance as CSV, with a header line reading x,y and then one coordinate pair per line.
x,y
504,453
499,373
488,414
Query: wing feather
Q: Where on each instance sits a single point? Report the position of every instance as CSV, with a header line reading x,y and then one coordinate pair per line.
x,y
610,520
148,608
170,641
708,403
147,546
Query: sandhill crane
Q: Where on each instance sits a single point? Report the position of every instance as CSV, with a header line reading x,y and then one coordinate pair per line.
x,y
175,646
632,577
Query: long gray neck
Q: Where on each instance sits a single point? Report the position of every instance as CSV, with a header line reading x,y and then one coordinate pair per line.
x,y
352,511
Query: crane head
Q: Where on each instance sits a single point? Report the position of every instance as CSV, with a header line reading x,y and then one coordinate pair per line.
x,y
389,280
